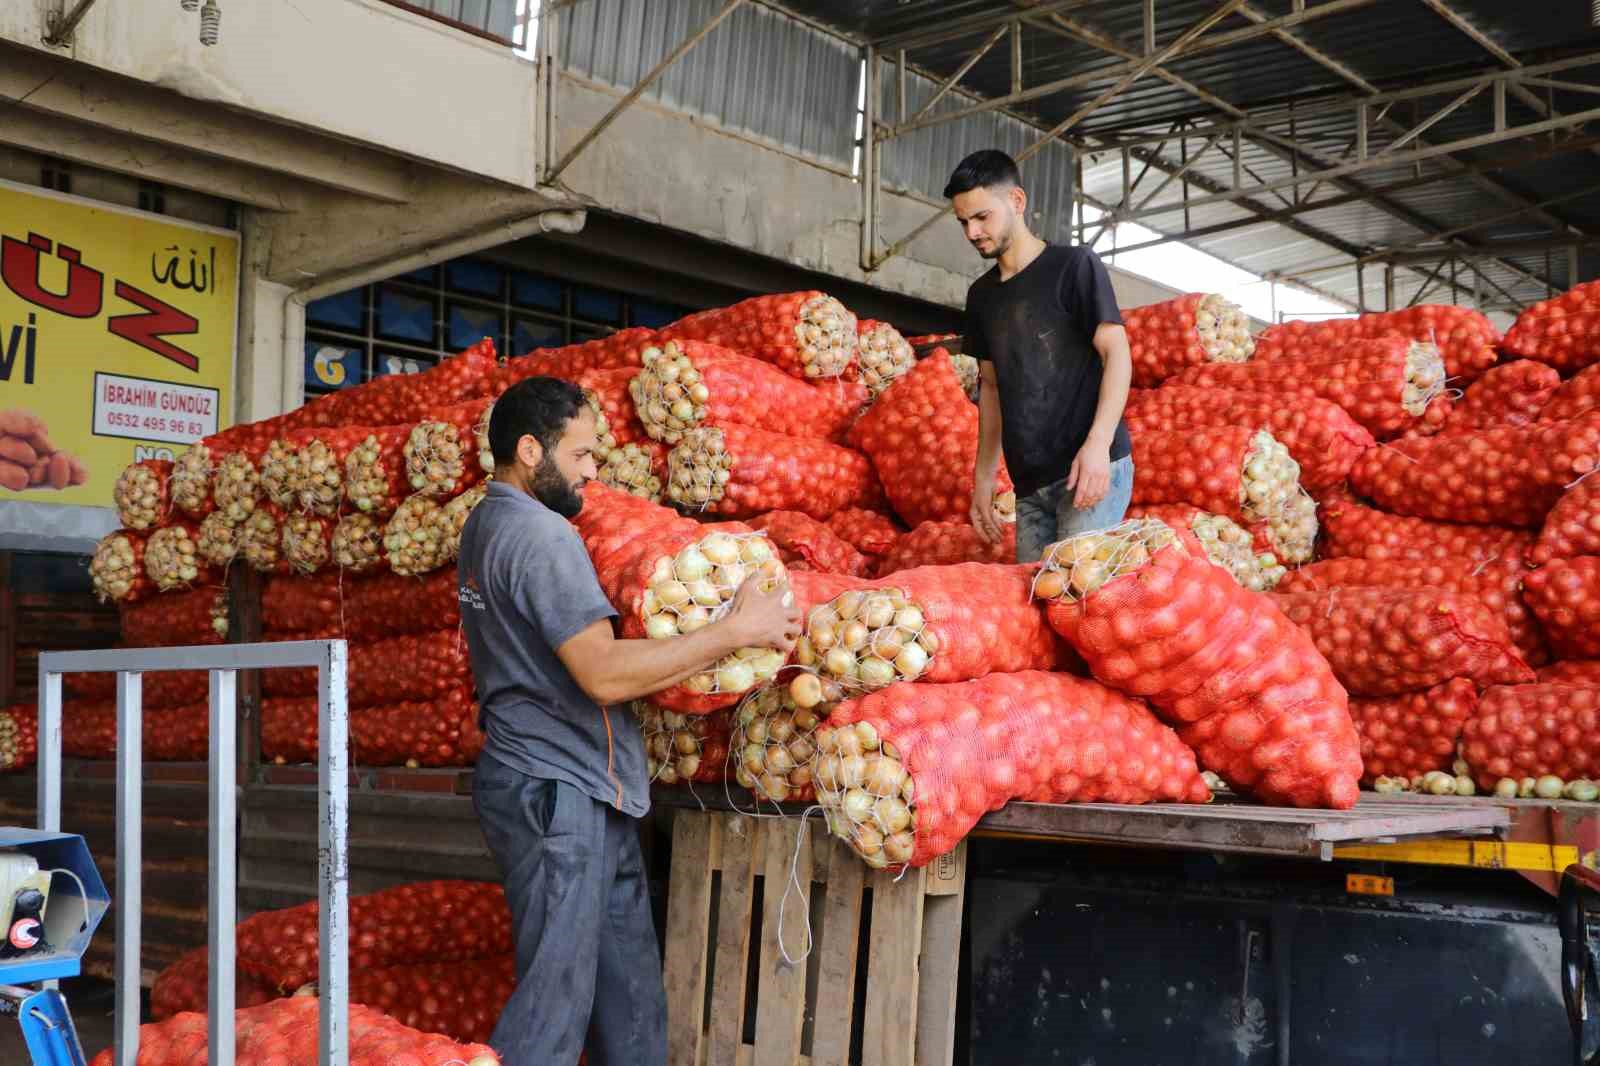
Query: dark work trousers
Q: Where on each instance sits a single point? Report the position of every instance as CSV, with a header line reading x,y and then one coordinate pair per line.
x,y
587,959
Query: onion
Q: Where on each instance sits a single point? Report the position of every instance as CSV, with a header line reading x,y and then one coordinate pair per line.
x,y
692,619
839,663
911,661
691,565
701,684
885,776
898,847
827,773
856,804
1506,788
1525,787
805,690
878,612
892,813
1465,786
736,677
1549,787
868,734
1582,791
854,637
875,672
670,593
868,839
704,593
853,772
720,549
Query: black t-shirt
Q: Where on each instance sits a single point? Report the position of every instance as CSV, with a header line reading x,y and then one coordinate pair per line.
x,y
1038,331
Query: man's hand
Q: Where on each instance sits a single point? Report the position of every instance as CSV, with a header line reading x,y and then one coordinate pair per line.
x,y
765,618
1090,475
982,512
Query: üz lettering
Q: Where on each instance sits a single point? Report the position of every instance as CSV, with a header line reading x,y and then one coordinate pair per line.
x,y
26,339
19,266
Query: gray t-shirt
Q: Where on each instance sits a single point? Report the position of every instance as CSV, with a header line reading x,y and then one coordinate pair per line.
x,y
527,587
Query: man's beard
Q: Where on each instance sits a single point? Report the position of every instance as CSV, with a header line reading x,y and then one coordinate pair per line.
x,y
555,491
1001,244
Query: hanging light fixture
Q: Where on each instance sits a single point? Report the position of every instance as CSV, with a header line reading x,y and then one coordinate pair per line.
x,y
189,5
210,23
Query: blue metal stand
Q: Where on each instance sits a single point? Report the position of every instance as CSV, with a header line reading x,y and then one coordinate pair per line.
x,y
47,1028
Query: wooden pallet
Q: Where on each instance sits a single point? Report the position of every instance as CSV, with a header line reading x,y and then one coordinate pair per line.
x,y
804,1014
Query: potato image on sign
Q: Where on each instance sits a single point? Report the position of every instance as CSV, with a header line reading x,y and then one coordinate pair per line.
x,y
29,461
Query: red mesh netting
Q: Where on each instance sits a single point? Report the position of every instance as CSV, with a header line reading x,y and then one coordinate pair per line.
x,y
1223,540
196,616
421,666
19,737
1523,731
447,451
1466,338
684,749
619,529
170,734
1564,595
1573,525
1246,686
1208,469
1349,529
610,390
1387,641
1577,395
624,348
883,356
806,334
1321,437
1388,384
182,987
1572,671
1511,394
922,437
1410,735
767,472
1508,476
946,543
872,532
1168,337
801,538
1563,332
284,1033
140,494
415,734
359,609
375,476
116,569
906,773
395,398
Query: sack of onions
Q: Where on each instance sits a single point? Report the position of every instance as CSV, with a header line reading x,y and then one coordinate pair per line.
x,y
140,494
619,530
260,540
1510,476
1511,394
1572,527
1414,734
316,474
739,472
625,348
412,734
285,1031
1534,732
1320,436
174,688
461,1000
933,623
1350,529
307,542
922,438
198,616
1224,541
289,730
406,398
217,540
1235,471
375,474
687,384
116,569
1387,641
1572,672
414,667
236,482
383,605
1562,332
1244,685
805,334
1564,595
278,468
1389,385
179,733
457,511
1466,338
773,745
801,538
882,356
904,774
442,451
966,368
89,729
417,538
189,484
1290,533
1576,396
19,737
183,985
1185,331
172,558
637,469
609,397
945,544
872,532
684,749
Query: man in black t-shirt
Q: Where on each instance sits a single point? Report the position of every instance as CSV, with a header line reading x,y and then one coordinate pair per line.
x,y
1053,364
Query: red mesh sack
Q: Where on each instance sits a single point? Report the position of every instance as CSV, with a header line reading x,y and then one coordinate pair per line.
x,y
198,616
625,348
189,485
182,987
1573,525
922,437
883,356
619,529
1349,529
684,749
1497,582
395,398
283,1032
462,1000
19,737
1239,472
421,666
364,609
375,475
427,921
1224,542
116,569
1321,437
904,774
172,559
174,688
307,542
170,734
1389,384
413,734
1387,641
447,451
1572,672
805,334
317,468
1508,476
800,537
690,384
1564,595
1465,337
1576,396
609,394
1523,731
140,494
1563,332
872,532
947,543
1170,336
1414,734
289,730
1245,686
1511,394
740,472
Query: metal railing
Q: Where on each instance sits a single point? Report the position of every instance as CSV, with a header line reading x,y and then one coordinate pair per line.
x,y
333,779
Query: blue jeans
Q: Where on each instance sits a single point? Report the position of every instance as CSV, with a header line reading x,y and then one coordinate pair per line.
x,y
1048,515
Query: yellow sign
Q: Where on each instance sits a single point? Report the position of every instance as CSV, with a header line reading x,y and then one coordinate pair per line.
x,y
116,342
1368,885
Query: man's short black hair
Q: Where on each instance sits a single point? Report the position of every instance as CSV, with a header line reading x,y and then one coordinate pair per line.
x,y
988,169
539,407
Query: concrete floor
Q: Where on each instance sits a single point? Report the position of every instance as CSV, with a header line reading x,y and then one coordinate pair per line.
x,y
90,1001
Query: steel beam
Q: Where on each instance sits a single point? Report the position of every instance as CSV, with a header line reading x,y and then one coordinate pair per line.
x,y
960,72
1491,250
957,28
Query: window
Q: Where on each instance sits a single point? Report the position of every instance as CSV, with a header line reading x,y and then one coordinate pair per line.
x,y
56,174
153,197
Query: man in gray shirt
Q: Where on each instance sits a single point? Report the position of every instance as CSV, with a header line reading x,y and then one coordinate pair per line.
x,y
561,781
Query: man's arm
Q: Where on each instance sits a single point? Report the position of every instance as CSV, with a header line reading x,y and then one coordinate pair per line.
x,y
987,466
1091,469
610,670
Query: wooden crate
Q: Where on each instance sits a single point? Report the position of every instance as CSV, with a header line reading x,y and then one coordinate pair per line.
x,y
804,1014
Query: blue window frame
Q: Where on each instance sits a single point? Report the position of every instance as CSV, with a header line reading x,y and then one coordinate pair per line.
x,y
470,323
654,315
531,290
528,334
405,316
596,305
346,311
475,277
